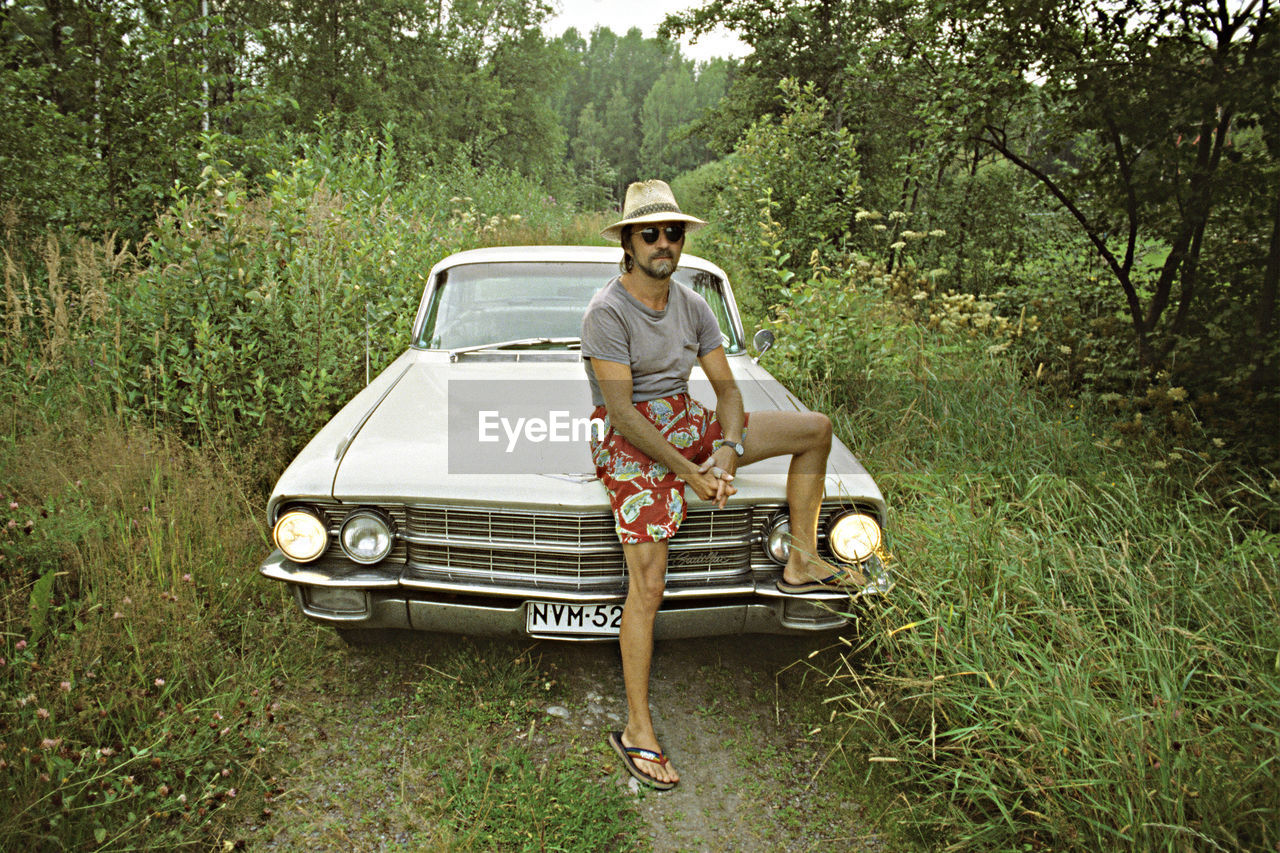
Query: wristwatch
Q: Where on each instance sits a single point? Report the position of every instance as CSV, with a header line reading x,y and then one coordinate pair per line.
x,y
724,442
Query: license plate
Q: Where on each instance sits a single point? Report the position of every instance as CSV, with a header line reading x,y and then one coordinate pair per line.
x,y
546,617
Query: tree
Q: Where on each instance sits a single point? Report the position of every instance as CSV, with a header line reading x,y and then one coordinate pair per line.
x,y
1139,105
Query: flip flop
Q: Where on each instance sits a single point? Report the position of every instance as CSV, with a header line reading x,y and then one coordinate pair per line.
x,y
834,581
628,754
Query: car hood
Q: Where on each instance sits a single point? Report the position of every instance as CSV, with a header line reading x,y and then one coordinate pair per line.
x,y
398,441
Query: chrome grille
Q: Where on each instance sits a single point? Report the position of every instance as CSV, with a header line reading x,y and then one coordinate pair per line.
x,y
562,528
565,550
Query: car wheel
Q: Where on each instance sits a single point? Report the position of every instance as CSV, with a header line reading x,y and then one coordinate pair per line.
x,y
367,636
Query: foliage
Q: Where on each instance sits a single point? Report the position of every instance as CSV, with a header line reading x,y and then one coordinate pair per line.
x,y
1080,649
257,311
102,106
629,105
795,174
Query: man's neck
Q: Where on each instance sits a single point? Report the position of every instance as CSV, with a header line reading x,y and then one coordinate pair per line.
x,y
651,292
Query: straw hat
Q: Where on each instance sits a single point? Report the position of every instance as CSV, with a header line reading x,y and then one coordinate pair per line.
x,y
648,202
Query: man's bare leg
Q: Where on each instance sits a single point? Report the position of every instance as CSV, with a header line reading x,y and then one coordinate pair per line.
x,y
807,437
646,570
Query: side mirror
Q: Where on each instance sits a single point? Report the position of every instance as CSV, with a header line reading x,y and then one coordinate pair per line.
x,y
762,341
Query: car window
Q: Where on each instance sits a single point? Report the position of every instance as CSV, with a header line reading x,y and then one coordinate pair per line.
x,y
476,304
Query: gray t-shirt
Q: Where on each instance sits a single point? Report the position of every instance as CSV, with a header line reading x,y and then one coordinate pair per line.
x,y
660,346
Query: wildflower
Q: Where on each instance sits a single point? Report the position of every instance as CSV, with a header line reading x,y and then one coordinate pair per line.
x,y
20,645
880,227
65,686
42,713
937,232
1217,442
1160,464
187,578
898,245
13,504
1064,349
919,295
159,682
51,743
126,600
1177,395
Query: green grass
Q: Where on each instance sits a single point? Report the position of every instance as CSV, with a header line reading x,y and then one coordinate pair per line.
x,y
1082,650
138,653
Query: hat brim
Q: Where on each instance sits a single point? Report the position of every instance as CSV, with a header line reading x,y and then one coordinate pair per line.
x,y
614,232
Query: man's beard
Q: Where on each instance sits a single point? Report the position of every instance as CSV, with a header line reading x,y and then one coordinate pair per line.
x,y
659,268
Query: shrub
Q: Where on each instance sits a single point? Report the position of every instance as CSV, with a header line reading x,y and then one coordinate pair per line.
x,y
265,311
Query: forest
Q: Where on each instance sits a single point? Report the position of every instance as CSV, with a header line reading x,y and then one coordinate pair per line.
x,y
1026,253
1111,171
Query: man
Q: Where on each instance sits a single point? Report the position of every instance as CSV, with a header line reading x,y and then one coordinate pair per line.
x,y
640,337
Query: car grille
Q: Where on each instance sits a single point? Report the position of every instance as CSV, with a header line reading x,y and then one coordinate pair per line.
x,y
509,551
566,551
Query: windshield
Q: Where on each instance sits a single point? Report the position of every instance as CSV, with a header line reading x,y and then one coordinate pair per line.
x,y
477,304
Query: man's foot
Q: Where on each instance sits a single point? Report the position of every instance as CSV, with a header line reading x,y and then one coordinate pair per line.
x,y
650,767
800,576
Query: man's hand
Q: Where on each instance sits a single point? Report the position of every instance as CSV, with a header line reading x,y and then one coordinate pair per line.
x,y
714,478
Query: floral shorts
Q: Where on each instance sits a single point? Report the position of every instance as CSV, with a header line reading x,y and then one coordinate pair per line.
x,y
647,499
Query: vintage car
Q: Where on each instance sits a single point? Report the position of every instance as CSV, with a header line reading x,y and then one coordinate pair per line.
x,y
456,491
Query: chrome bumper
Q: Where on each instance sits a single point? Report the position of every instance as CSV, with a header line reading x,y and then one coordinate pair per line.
x,y
379,600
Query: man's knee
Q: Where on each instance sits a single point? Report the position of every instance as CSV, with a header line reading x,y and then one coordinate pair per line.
x,y
647,571
647,587
819,429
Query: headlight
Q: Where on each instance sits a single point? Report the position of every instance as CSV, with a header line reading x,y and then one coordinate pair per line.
x,y
366,536
777,543
854,536
300,535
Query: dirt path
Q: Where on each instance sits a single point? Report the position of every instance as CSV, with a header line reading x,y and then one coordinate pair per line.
x,y
727,710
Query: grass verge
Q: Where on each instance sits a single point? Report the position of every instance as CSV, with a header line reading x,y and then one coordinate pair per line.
x,y
1082,649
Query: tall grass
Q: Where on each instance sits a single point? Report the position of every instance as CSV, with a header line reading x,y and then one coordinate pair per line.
x,y
138,656
1082,651
148,395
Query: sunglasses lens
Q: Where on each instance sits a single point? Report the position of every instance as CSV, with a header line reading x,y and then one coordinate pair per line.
x,y
674,234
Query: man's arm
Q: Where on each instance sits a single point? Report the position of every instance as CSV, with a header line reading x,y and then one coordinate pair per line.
x,y
729,410
615,384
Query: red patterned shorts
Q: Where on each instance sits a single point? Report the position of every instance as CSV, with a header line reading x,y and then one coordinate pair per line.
x,y
647,499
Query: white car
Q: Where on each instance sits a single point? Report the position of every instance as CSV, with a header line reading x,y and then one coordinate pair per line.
x,y
456,491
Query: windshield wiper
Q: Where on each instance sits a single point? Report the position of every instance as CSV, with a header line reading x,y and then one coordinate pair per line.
x,y
518,343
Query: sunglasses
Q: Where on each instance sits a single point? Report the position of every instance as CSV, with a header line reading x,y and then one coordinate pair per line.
x,y
675,233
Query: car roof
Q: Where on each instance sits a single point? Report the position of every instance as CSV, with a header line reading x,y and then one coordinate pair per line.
x,y
586,254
